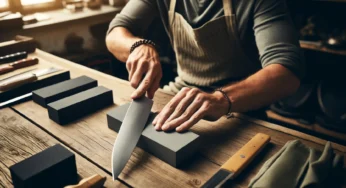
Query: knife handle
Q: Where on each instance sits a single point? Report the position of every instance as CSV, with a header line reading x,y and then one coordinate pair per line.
x,y
25,63
244,156
6,68
13,83
95,181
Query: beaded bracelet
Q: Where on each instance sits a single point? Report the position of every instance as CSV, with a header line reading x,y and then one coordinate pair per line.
x,y
229,113
141,42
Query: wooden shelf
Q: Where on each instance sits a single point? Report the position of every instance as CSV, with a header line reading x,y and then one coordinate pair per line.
x,y
314,129
317,46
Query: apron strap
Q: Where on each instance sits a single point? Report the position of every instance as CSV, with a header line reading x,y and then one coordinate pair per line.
x,y
172,5
228,7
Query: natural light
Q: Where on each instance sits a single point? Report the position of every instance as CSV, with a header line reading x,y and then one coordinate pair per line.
x,y
31,2
3,3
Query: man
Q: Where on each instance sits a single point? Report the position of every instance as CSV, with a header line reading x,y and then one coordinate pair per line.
x,y
248,48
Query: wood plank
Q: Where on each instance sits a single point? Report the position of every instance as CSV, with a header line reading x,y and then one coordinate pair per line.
x,y
20,139
222,138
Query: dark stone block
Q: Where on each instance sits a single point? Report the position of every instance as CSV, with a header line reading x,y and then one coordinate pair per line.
x,y
54,167
61,90
76,106
172,147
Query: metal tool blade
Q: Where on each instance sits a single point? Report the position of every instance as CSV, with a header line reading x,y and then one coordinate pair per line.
x,y
218,179
130,131
31,70
15,100
42,72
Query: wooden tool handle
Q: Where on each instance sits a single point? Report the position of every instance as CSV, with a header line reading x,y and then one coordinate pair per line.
x,y
6,68
95,181
24,63
13,83
245,155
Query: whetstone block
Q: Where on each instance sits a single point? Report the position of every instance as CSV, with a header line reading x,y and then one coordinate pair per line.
x,y
63,89
54,167
76,106
172,147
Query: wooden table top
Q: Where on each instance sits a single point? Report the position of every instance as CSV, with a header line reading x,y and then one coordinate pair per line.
x,y
25,129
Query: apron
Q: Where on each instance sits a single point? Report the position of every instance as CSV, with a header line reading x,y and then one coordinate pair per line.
x,y
209,56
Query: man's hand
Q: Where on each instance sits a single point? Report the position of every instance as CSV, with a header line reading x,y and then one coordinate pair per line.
x,y
144,70
188,107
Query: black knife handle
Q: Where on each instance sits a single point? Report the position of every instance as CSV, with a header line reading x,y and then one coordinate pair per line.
x,y
13,57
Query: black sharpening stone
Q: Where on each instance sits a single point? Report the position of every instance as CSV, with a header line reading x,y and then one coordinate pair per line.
x,y
54,167
172,147
61,90
76,106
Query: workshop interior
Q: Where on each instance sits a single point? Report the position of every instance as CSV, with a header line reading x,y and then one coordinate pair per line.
x,y
172,93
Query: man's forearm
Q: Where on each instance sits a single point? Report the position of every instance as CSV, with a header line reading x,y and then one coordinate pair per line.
x,y
262,88
119,42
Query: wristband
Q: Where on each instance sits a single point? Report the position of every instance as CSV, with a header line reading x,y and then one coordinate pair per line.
x,y
229,112
141,42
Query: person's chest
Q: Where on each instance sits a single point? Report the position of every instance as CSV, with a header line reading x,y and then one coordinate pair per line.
x,y
198,12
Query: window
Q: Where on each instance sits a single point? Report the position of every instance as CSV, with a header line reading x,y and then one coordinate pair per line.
x,y
3,3
29,6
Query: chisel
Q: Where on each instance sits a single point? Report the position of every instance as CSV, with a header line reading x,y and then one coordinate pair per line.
x,y
238,161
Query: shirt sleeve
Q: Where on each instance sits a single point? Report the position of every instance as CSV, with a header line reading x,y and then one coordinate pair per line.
x,y
136,16
276,36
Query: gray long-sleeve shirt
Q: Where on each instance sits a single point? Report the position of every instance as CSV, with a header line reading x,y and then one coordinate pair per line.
x,y
266,31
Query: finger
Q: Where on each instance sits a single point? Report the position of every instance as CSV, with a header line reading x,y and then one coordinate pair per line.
x,y
138,75
190,111
194,118
155,86
144,85
133,67
184,104
169,108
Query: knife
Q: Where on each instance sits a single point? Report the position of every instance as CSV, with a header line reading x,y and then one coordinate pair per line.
x,y
15,100
130,131
13,57
238,161
25,78
18,65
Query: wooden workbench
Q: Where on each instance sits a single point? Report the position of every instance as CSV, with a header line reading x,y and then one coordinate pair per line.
x,y
25,129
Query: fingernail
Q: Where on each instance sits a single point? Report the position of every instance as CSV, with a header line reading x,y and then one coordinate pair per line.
x,y
154,122
178,129
165,127
157,127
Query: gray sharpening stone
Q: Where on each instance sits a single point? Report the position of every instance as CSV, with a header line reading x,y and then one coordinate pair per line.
x,y
54,167
61,90
76,106
172,147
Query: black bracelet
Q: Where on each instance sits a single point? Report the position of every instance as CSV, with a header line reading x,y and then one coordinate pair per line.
x,y
229,113
141,42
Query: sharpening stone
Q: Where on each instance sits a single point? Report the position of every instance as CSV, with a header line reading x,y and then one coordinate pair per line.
x,y
54,167
172,147
76,106
61,90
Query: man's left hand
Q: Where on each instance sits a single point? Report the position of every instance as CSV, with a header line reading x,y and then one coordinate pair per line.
x,y
188,107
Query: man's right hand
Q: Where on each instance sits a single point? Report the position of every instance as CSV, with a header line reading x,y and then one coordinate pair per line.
x,y
145,71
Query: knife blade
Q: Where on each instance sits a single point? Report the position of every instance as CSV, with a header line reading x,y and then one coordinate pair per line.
x,y
238,161
15,100
13,57
25,78
18,65
130,131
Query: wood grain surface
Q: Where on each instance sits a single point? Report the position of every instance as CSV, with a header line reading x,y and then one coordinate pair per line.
x,y
20,139
91,137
